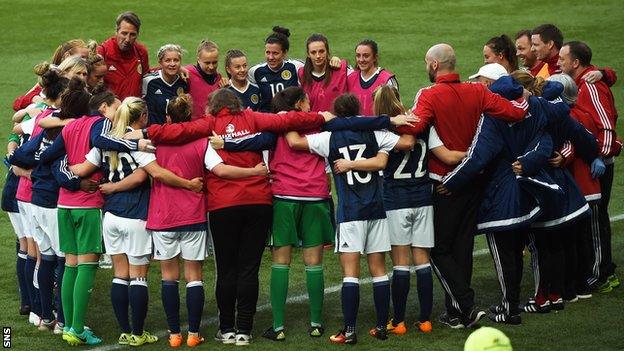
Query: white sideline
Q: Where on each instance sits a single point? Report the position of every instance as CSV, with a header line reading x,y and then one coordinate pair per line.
x,y
162,334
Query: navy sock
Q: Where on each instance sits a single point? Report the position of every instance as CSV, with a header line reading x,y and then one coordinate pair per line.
x,y
29,270
21,278
139,299
119,299
350,302
45,278
381,296
424,285
171,304
58,273
194,304
400,290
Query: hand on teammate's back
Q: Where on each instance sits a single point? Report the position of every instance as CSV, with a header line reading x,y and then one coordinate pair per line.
x,y
556,161
342,166
88,185
216,141
517,167
146,146
328,116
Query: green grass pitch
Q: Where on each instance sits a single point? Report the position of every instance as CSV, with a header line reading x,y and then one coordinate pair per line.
x,y
404,31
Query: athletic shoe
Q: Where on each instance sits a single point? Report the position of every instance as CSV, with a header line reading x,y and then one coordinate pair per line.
x,y
378,333
603,287
65,336
175,340
505,318
398,329
105,262
124,339
613,280
145,338
584,293
473,317
271,334
316,331
226,337
570,299
533,307
242,339
58,329
46,326
451,321
496,309
557,305
425,326
24,310
194,339
85,338
342,337
34,319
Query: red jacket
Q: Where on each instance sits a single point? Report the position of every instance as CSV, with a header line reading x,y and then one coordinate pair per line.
x,y
21,102
608,75
597,100
125,70
454,108
581,171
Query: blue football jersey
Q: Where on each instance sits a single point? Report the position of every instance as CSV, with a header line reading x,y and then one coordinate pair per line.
x,y
406,180
157,93
250,97
270,82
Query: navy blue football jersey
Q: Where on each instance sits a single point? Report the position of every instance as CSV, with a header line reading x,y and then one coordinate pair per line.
x,y
157,93
406,180
360,195
250,97
270,82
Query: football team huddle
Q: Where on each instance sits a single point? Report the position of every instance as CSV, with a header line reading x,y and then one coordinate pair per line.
x,y
171,163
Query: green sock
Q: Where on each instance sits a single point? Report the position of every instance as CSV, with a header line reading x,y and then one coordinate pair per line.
x,y
67,293
316,292
82,293
279,291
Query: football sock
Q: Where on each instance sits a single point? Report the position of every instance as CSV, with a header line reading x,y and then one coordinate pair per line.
x,y
59,273
350,296
21,278
194,304
45,276
82,293
120,302
139,299
29,270
279,291
171,304
316,293
424,284
381,296
67,293
400,290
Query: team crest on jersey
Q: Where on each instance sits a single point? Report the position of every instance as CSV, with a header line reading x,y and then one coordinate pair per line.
x,y
180,91
286,75
139,68
229,129
254,98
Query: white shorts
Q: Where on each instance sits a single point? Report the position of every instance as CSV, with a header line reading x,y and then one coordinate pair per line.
x,y
16,222
364,237
190,245
28,222
411,226
46,230
127,236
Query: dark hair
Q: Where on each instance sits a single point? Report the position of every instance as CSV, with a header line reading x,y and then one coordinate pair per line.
x,y
549,32
308,66
346,105
224,98
129,17
279,36
229,56
371,44
101,95
523,33
75,100
180,109
580,51
503,45
94,60
53,84
286,99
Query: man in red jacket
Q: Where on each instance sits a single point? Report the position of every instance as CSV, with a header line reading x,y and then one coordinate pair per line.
x,y
126,58
597,99
454,108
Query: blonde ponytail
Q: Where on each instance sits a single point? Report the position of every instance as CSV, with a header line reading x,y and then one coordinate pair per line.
x,y
128,112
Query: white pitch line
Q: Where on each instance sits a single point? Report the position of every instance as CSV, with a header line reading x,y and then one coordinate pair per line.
x,y
162,334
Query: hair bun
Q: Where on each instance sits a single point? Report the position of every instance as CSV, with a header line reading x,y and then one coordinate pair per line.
x,y
41,68
282,30
76,84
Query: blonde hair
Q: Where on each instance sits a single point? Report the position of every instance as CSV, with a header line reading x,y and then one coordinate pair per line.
x,y
530,83
73,64
128,113
70,47
207,45
169,47
387,101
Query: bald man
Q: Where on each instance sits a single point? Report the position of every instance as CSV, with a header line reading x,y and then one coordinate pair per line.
x,y
455,108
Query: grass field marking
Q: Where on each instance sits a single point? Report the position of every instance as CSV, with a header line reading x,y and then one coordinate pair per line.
x,y
162,334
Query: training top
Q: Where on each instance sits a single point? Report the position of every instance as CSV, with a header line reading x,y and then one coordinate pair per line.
x,y
23,101
364,89
271,82
360,195
200,86
125,69
250,96
157,93
322,96
580,169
